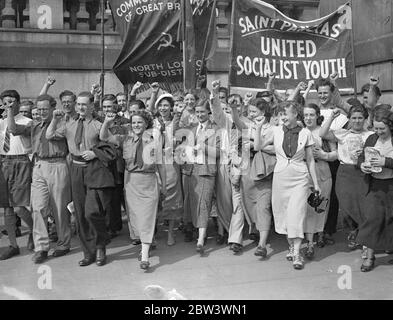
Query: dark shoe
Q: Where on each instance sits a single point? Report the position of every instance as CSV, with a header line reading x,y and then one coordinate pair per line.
x,y
87,261
260,252
298,262
145,265
388,251
135,242
59,253
9,253
220,239
237,247
101,257
321,240
200,249
366,267
329,241
30,243
309,252
40,256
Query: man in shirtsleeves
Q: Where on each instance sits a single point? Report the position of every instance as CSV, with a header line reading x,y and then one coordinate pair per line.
x,y
51,185
90,205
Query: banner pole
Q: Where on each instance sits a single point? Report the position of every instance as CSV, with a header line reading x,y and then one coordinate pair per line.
x,y
212,16
232,31
353,52
102,75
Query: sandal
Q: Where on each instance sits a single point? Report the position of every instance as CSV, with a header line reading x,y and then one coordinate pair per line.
x,y
290,253
369,266
145,265
298,262
310,251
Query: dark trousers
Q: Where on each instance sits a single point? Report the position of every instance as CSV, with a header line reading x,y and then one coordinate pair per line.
x,y
331,221
117,198
91,207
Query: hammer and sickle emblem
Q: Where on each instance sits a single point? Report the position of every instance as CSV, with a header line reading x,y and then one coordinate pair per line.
x,y
166,41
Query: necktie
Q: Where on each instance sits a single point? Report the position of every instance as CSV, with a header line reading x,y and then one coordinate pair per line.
x,y
7,138
44,142
139,154
79,133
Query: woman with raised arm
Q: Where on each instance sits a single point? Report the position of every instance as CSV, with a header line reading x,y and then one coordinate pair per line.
x,y
315,221
351,187
143,158
256,178
376,160
167,123
291,178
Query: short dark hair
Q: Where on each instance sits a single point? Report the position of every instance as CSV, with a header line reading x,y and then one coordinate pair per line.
x,y
261,94
121,94
236,95
317,112
262,105
366,88
147,117
385,116
86,94
109,97
223,89
47,97
204,103
139,103
67,93
324,83
10,93
358,108
27,103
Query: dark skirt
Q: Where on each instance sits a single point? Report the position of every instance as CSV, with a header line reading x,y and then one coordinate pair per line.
x,y
376,227
351,190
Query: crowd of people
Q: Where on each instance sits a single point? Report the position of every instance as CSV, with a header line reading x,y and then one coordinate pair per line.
x,y
271,161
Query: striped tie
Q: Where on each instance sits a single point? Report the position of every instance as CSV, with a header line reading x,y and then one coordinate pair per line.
x,y
7,138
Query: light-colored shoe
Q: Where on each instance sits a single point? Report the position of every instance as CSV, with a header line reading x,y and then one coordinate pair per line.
x,y
298,262
290,253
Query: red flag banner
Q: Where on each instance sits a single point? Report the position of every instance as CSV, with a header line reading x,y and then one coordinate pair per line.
x,y
152,48
264,40
151,52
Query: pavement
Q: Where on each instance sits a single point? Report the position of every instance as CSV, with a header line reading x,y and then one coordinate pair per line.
x,y
219,274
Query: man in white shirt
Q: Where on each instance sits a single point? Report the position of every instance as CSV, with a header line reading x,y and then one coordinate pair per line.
x,y
15,174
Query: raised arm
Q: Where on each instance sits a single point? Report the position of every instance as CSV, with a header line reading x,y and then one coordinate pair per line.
x,y
325,132
105,134
50,81
135,87
153,98
13,127
53,133
310,84
301,86
336,99
241,125
372,97
219,116
269,84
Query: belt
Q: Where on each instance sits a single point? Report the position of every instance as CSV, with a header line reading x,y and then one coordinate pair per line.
x,y
78,159
50,159
17,156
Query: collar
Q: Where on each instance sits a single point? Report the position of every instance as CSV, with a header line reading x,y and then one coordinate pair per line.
x,y
296,129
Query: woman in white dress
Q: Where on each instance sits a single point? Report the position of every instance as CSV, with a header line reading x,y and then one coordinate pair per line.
x,y
291,179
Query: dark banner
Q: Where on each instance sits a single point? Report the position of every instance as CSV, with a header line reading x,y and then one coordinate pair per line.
x,y
152,48
265,41
149,29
